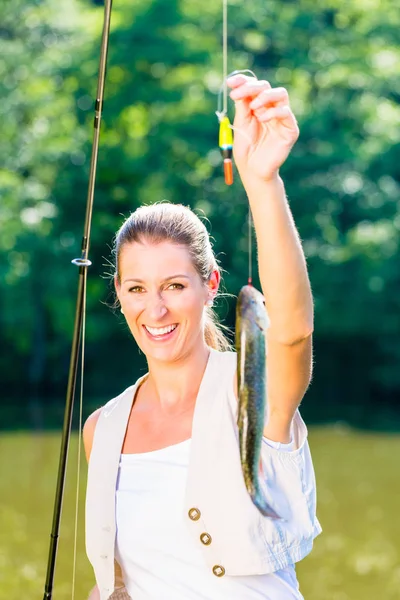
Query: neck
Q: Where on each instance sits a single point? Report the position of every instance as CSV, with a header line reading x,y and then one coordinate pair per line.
x,y
172,387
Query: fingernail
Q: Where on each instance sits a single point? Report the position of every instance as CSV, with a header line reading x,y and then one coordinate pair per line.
x,y
235,94
236,77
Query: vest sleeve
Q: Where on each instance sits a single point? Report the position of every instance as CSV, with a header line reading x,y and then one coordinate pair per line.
x,y
289,478
298,436
289,447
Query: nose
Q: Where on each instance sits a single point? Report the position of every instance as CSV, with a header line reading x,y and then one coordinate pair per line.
x,y
156,308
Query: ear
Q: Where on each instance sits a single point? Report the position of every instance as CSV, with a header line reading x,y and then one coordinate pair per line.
x,y
213,283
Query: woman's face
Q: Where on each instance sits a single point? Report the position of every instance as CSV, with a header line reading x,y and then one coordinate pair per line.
x,y
163,297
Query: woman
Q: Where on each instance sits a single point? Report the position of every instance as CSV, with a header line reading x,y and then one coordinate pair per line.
x,y
168,516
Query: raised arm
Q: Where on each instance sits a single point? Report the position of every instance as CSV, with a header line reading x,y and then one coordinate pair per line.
x,y
266,130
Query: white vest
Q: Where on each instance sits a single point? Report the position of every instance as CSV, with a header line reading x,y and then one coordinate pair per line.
x,y
217,505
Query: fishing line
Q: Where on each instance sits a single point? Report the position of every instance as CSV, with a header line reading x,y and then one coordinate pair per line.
x,y
225,134
250,242
225,53
222,103
79,450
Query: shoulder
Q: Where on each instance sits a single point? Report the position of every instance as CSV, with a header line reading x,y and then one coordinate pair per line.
x,y
88,431
226,358
229,366
226,371
89,427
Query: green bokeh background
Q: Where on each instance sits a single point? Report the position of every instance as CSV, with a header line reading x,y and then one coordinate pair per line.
x,y
339,62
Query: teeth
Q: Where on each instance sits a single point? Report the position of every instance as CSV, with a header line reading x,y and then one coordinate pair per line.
x,y
160,330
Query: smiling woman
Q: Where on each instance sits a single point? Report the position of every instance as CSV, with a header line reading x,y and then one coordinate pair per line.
x,y
186,279
168,514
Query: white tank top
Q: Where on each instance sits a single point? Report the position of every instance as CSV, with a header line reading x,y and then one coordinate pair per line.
x,y
159,559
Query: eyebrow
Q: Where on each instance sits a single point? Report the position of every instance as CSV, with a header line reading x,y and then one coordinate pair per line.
x,y
163,281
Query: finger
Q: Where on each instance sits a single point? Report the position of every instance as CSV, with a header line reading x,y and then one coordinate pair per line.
x,y
243,114
242,111
236,80
249,89
282,113
270,96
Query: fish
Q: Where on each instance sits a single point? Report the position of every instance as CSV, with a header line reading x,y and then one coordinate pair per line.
x,y
250,340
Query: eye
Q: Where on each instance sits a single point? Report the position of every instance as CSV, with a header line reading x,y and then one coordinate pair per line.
x,y
135,288
179,286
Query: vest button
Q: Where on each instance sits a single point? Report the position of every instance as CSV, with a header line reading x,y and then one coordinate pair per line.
x,y
103,556
194,514
218,571
206,539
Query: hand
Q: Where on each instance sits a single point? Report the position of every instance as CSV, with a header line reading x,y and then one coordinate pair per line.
x,y
265,128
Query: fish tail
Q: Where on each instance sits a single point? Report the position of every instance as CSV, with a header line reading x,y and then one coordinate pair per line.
x,y
253,486
260,502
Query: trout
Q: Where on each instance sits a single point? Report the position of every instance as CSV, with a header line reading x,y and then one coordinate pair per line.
x,y
250,334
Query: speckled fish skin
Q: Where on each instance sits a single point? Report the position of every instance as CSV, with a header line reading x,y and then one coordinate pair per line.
x,y
251,328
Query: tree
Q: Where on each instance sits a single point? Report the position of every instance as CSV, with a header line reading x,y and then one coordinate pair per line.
x,y
159,140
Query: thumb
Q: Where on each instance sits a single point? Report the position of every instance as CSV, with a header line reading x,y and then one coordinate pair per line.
x,y
242,113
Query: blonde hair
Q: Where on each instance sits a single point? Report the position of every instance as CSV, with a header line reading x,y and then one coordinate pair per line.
x,y
178,224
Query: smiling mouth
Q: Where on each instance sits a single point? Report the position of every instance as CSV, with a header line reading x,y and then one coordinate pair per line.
x,y
160,333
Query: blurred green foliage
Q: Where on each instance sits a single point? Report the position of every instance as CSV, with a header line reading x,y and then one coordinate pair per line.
x,y
159,140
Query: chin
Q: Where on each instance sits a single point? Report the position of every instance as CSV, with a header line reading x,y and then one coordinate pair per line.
x,y
161,354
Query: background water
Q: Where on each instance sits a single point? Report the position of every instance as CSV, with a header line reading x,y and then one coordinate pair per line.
x,y
356,558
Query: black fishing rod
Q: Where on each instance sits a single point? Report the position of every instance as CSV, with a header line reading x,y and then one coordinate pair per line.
x,y
83,263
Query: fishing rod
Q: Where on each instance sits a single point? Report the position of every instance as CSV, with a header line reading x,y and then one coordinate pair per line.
x,y
82,263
